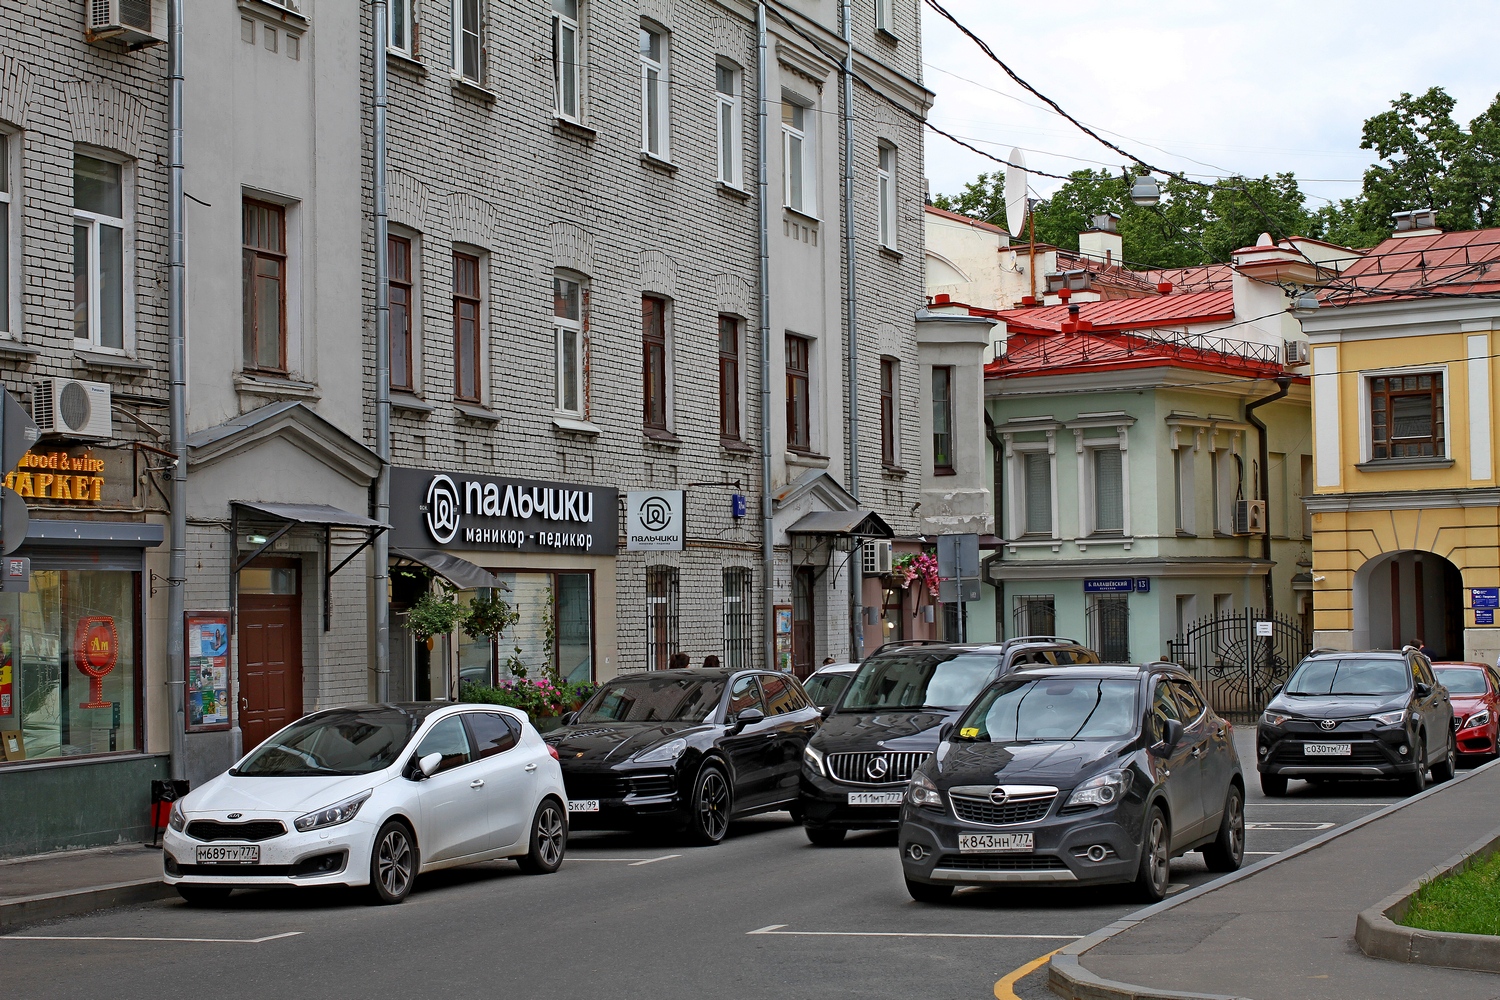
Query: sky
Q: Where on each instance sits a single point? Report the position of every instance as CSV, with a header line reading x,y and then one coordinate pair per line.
x,y
1207,88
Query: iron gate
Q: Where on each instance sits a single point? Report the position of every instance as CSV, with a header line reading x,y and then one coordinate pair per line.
x,y
1237,668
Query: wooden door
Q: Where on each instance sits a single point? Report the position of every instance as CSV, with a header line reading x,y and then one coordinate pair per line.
x,y
270,672
803,644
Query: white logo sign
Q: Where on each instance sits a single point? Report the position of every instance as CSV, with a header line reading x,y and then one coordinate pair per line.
x,y
442,509
653,521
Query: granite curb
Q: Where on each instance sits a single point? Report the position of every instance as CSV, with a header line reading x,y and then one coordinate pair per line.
x,y
1380,936
23,910
1068,978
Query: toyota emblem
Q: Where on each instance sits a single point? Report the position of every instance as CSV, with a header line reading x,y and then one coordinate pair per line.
x,y
998,796
877,767
1328,725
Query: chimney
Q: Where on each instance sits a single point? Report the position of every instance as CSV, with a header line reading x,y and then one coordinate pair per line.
x,y
1416,222
1102,242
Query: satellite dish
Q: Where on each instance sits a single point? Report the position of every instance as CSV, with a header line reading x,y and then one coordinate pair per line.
x,y
1015,193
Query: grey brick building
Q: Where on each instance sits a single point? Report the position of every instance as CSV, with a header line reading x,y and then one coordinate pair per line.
x,y
83,191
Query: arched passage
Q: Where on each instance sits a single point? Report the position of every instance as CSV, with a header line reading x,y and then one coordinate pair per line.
x,y
1400,597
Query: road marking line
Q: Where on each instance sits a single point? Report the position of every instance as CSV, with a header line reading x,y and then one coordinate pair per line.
x,y
173,940
1289,826
1176,887
776,929
1003,989
1317,802
1264,854
652,861
629,861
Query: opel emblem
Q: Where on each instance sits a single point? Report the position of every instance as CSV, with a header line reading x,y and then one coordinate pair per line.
x,y
1328,725
998,796
235,815
877,767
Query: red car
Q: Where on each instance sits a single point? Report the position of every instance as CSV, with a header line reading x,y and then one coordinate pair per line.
x,y
1475,692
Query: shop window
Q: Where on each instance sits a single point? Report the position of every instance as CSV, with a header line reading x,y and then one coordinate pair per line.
x,y
555,631
69,665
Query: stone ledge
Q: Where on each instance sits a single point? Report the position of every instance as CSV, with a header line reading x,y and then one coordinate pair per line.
x,y
1379,936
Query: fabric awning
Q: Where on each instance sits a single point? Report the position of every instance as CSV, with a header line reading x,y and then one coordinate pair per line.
x,y
860,522
459,572
310,513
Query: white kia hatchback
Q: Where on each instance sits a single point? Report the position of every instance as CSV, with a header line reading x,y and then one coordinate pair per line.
x,y
373,796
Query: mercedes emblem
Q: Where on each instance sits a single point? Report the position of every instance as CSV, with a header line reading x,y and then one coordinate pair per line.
x,y
877,767
1328,725
998,796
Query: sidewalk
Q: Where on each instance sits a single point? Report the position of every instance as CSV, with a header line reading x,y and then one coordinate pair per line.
x,y
1284,930
73,882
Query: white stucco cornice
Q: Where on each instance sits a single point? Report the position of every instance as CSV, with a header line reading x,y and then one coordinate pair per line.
x,y
1400,318
1385,500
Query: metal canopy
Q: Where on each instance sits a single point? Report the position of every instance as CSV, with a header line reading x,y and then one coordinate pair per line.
x,y
311,513
860,522
459,572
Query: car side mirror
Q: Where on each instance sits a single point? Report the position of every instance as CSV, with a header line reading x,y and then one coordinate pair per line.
x,y
1171,735
429,764
1424,690
568,717
945,731
1276,690
826,712
748,717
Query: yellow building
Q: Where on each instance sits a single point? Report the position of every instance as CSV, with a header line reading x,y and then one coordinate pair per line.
x,y
1406,502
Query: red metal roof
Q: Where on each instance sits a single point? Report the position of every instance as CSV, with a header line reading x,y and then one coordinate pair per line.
x,y
1125,314
1200,278
1466,263
1034,354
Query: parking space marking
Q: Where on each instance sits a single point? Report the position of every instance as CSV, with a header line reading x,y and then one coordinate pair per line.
x,y
169,940
1263,854
1005,988
632,862
652,861
1289,826
777,929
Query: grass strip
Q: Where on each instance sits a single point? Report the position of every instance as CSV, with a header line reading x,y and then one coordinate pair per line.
x,y
1463,902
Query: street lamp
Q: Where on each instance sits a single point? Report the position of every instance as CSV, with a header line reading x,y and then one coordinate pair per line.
x,y
1145,191
1307,303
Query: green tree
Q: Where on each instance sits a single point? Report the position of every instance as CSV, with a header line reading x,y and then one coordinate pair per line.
x,y
982,198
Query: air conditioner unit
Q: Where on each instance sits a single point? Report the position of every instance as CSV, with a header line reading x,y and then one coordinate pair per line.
x,y
137,23
1249,517
72,408
1296,353
876,559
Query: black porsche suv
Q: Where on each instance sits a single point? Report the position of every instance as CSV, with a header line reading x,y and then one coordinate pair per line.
x,y
855,768
1378,714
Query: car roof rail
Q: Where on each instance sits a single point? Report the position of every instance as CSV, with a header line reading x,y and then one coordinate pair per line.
x,y
1014,640
902,643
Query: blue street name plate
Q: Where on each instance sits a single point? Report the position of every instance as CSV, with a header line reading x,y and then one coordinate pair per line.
x,y
1123,585
1486,597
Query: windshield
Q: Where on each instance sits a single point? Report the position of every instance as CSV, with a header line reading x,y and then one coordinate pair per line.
x,y
824,689
1052,709
914,680
1461,680
341,741
1352,676
654,699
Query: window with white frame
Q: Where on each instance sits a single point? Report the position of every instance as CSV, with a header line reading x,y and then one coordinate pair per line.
x,y
565,50
655,114
100,285
1107,475
797,157
401,34
886,184
7,226
728,125
1184,485
567,326
883,13
468,39
1226,475
1036,489
1406,416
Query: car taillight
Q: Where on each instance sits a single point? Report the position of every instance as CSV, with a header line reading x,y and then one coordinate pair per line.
x,y
553,751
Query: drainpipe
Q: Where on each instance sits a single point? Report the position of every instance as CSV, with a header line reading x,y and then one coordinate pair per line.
x,y
177,366
763,186
380,551
998,448
1284,384
856,582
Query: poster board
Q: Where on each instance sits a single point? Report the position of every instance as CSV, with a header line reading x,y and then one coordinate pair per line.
x,y
206,654
784,637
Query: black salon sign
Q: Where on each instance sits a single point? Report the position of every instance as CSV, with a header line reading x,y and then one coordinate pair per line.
x,y
434,509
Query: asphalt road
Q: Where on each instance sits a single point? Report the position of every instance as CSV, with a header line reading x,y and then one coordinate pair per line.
x,y
764,914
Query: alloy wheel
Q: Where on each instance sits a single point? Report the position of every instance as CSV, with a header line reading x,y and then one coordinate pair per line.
x,y
393,864
550,834
1160,861
1237,829
713,804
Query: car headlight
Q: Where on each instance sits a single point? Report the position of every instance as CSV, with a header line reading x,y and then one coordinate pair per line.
x,y
339,812
1277,719
922,792
1390,718
813,758
177,820
668,751
1100,790
1479,718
